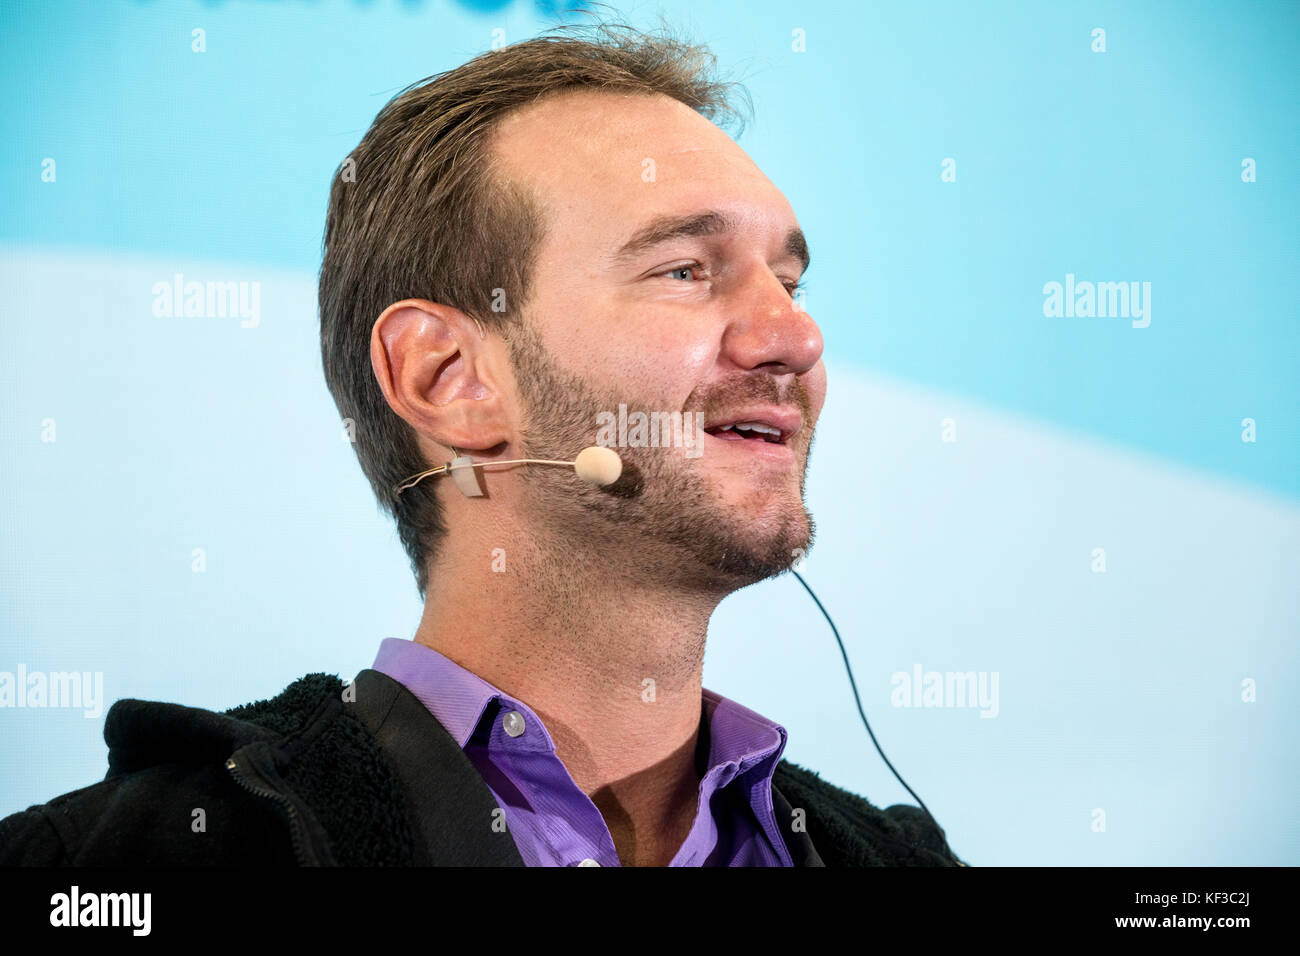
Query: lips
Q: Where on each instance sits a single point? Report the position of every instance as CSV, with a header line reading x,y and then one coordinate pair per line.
x,y
748,431
772,425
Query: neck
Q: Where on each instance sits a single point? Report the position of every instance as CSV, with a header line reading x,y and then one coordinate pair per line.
x,y
610,657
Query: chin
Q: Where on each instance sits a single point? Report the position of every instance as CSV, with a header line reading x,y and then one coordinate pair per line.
x,y
752,554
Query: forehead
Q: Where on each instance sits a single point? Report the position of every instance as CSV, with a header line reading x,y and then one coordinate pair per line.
x,y
606,161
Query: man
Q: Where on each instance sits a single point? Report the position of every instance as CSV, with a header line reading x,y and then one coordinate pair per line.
x,y
551,236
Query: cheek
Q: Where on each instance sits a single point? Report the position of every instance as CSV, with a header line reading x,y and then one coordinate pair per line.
x,y
694,357
647,353
684,365
669,359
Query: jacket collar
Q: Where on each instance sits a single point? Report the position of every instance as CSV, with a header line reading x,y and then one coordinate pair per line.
x,y
464,826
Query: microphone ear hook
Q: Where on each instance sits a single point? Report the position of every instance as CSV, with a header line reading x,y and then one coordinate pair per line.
x,y
596,464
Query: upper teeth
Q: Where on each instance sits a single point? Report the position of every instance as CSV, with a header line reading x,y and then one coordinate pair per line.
x,y
754,427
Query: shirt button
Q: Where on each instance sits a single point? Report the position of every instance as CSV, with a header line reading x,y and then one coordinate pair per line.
x,y
513,723
588,862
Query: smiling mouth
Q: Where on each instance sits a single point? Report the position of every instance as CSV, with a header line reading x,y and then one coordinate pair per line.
x,y
748,431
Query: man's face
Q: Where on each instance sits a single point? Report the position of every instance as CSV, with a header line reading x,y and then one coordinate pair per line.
x,y
701,321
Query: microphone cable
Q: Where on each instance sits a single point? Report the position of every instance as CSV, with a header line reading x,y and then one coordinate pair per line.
x,y
858,700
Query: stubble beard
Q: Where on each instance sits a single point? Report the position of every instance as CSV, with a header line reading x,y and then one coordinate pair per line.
x,y
661,517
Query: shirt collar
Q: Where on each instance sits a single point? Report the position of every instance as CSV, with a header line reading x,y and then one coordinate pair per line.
x,y
458,697
738,738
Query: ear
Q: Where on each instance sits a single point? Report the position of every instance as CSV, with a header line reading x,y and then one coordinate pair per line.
x,y
440,374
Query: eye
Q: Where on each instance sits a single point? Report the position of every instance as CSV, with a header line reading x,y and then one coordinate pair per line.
x,y
792,286
691,267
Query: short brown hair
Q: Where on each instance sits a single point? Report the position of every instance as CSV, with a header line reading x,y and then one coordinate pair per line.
x,y
417,210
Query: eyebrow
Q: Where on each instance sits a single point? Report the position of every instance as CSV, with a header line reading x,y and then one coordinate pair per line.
x,y
666,228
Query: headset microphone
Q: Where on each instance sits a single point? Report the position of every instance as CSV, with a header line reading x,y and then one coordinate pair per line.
x,y
600,465
596,464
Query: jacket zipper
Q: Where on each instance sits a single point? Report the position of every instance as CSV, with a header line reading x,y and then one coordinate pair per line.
x,y
295,833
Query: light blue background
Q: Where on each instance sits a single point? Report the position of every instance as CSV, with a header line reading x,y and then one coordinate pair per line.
x,y
1118,691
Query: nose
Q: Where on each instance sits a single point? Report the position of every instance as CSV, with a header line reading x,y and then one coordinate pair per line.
x,y
768,329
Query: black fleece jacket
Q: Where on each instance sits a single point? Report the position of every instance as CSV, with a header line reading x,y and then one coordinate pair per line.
x,y
328,774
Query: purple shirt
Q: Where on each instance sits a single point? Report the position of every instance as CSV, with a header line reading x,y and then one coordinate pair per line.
x,y
552,821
